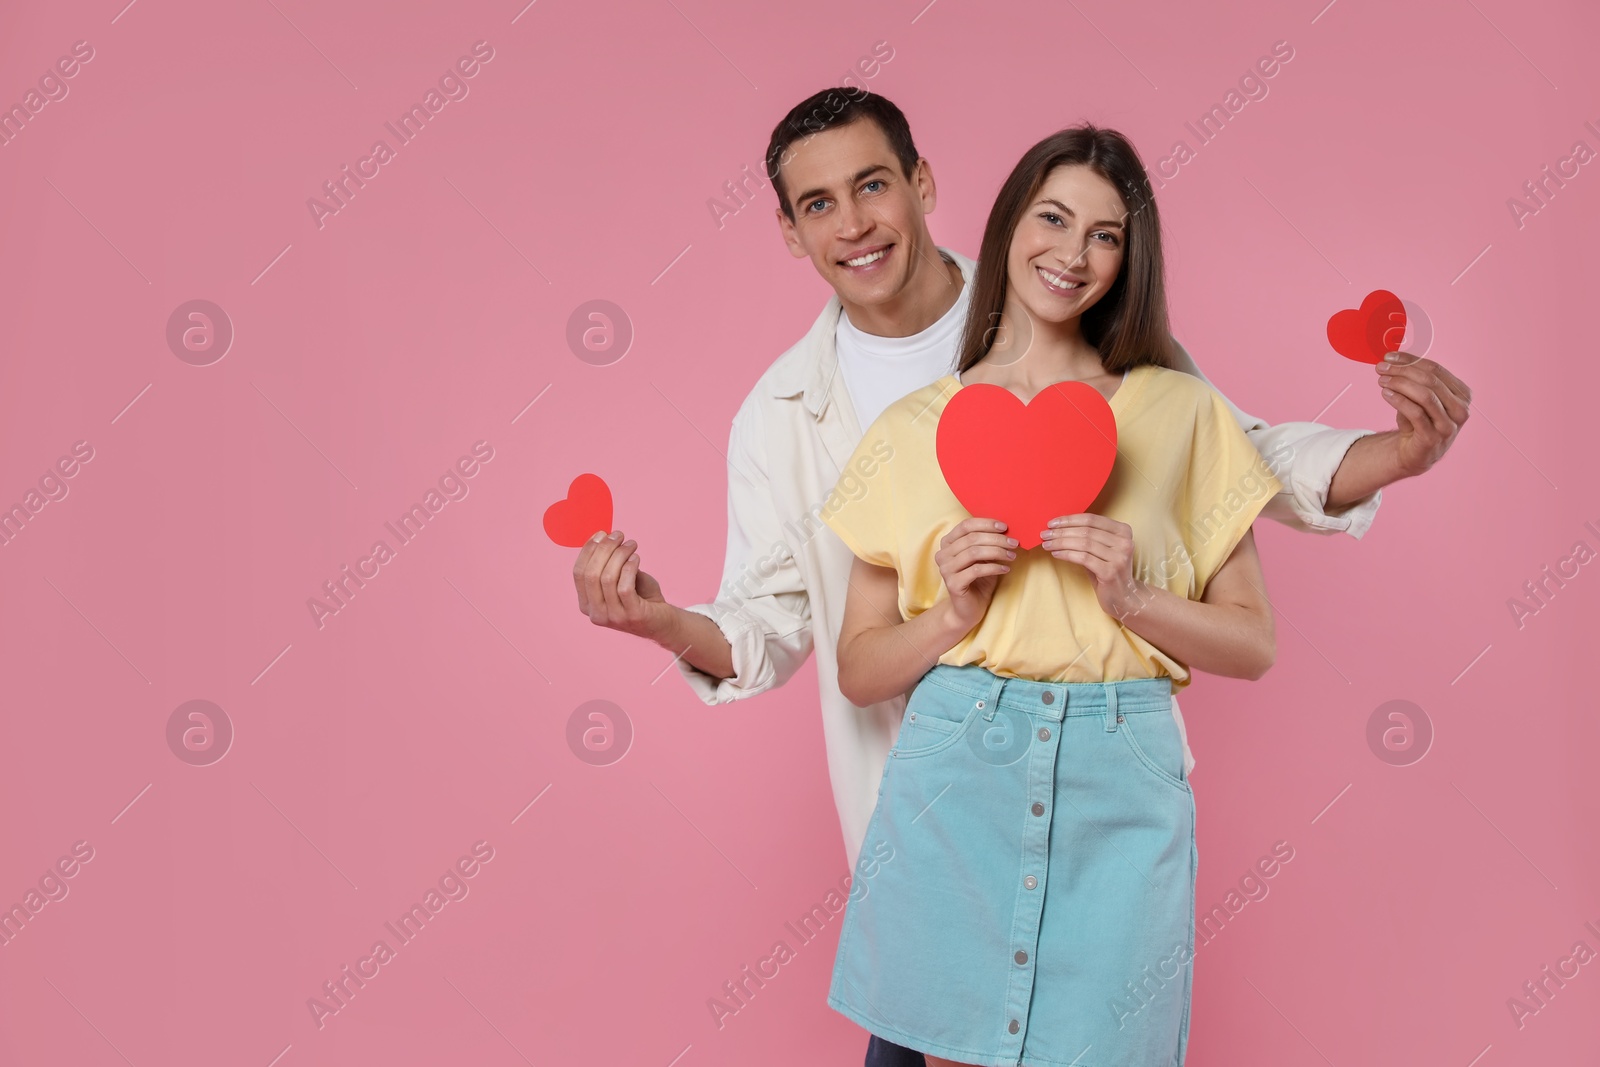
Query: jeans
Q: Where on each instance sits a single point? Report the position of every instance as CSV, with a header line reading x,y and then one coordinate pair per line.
x,y
882,1053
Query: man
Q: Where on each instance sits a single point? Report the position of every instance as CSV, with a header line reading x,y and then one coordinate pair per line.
x,y
853,198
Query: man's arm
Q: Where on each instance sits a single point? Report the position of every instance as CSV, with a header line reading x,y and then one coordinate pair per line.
x,y
1430,404
1305,456
758,630
1332,478
616,594
762,608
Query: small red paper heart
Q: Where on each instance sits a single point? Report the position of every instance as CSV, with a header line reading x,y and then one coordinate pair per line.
x,y
1024,464
587,508
1365,334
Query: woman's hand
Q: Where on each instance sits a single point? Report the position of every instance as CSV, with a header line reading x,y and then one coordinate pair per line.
x,y
1104,548
971,559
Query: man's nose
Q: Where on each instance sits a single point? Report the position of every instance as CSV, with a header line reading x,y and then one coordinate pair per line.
x,y
854,220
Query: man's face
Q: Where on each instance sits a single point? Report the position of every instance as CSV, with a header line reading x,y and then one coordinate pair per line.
x,y
856,215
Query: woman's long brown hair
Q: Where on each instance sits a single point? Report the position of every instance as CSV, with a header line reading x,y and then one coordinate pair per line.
x,y
1129,324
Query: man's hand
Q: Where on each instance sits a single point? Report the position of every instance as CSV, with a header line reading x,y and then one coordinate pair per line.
x,y
614,592
1430,404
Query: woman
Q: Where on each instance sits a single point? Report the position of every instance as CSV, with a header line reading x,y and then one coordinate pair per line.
x,y
1027,883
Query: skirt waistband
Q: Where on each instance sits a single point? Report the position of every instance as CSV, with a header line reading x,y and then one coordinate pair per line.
x,y
1053,700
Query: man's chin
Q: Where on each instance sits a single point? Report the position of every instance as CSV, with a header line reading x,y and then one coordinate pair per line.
x,y
862,293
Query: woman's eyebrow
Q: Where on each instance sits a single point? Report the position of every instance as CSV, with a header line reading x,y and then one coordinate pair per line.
x,y
1065,210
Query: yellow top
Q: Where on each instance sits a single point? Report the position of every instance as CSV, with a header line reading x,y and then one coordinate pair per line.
x,y
1186,479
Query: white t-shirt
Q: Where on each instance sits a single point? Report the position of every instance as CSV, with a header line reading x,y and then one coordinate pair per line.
x,y
880,370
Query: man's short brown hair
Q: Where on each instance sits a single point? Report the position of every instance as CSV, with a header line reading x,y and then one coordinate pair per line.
x,y
825,111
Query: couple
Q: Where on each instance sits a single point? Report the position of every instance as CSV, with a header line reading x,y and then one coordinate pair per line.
x,y
1022,829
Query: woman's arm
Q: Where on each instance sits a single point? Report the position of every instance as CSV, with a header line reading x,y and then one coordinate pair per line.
x,y
1228,631
882,655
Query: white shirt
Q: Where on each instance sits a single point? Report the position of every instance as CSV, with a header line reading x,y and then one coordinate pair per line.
x,y
880,370
786,574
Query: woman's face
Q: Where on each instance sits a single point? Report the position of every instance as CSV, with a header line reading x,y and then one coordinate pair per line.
x,y
1068,246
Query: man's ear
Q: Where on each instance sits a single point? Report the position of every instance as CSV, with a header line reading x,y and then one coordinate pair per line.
x,y
922,178
790,237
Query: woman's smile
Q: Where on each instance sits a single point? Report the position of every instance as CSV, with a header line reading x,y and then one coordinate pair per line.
x,y
1061,283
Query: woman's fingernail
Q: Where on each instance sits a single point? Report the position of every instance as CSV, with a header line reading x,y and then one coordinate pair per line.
x,y
1388,392
629,543
1392,357
998,525
1011,555
1012,541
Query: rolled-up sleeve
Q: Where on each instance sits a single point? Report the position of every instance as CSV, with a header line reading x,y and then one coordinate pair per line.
x,y
1304,456
762,607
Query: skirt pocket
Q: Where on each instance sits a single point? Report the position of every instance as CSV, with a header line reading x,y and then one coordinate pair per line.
x,y
1153,738
935,719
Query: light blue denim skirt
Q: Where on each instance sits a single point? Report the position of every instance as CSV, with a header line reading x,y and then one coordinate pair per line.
x,y
1025,891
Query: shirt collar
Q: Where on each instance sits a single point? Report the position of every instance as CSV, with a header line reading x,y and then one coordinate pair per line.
x,y
812,379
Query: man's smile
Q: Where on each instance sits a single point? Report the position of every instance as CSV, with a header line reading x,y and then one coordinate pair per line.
x,y
867,258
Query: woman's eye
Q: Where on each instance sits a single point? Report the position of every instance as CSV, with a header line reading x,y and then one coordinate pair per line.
x,y
1050,217
1110,238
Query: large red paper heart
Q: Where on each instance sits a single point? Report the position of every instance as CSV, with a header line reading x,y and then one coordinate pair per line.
x,y
1365,334
587,508
1024,464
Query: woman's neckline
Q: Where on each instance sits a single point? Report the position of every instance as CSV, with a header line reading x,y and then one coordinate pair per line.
x,y
1122,386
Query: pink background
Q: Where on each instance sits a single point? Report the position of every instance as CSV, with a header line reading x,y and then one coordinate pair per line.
x,y
371,753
